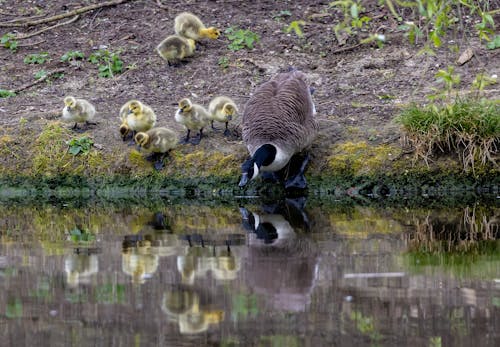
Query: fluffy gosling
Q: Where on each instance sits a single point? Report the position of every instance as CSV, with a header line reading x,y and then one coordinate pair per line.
x,y
157,141
222,109
175,48
190,26
78,111
135,117
193,117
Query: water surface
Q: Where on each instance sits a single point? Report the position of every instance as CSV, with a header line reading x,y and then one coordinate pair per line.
x,y
248,273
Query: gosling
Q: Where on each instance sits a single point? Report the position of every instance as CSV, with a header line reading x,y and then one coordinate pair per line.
x,y
175,48
78,111
136,117
190,26
222,109
159,142
194,117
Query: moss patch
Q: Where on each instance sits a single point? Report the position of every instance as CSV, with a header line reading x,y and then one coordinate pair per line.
x,y
360,159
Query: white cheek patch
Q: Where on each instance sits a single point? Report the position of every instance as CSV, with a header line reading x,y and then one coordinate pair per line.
x,y
255,171
257,221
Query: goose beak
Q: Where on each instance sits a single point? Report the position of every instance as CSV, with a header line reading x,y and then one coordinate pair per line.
x,y
243,180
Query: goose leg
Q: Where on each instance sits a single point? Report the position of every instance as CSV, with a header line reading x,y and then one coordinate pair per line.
x,y
132,140
296,178
186,140
213,128
159,164
197,139
227,132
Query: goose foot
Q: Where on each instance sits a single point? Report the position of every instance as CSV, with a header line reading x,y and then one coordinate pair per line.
x,y
159,164
296,168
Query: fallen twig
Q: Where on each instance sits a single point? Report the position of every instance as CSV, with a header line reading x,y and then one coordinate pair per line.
x,y
345,49
25,36
29,85
65,15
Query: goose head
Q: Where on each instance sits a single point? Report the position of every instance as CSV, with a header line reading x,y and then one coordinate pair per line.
x,y
135,107
141,139
70,102
263,156
229,110
185,105
213,33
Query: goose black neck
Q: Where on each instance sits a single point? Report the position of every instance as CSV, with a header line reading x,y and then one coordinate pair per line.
x,y
265,155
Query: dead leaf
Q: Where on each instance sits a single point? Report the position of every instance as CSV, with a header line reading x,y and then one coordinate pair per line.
x,y
465,56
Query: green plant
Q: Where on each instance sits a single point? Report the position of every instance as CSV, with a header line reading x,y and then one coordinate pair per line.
x,y
109,63
468,127
40,74
37,58
282,14
223,62
449,79
77,235
71,56
481,81
9,41
241,38
4,93
296,26
495,43
352,21
80,146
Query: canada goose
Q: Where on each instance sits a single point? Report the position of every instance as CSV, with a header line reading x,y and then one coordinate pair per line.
x,y
158,142
78,111
278,123
222,109
136,117
190,26
175,48
193,117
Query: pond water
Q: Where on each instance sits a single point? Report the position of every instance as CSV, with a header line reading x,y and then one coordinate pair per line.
x,y
249,273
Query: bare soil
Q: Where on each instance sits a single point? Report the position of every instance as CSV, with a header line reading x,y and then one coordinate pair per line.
x,y
359,89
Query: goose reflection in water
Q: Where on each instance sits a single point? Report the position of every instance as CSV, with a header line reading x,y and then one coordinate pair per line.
x,y
204,256
137,259
185,307
281,263
80,267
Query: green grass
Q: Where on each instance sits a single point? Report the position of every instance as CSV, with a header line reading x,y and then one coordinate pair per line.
x,y
241,38
467,127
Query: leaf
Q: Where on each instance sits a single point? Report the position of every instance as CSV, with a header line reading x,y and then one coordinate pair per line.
x,y
354,10
495,43
74,150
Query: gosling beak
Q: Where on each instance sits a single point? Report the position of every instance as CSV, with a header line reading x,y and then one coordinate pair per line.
x,y
243,180
181,110
229,117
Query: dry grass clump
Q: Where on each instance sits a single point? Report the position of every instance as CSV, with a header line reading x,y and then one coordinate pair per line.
x,y
468,127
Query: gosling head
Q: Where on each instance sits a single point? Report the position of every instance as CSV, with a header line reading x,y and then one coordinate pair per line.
x,y
213,33
185,105
70,101
229,110
124,130
141,139
250,169
135,107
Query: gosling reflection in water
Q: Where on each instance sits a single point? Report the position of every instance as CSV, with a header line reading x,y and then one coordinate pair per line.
x,y
204,256
185,307
138,260
282,263
80,267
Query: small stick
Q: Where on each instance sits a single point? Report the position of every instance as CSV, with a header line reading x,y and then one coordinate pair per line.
x,y
25,36
65,15
29,85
